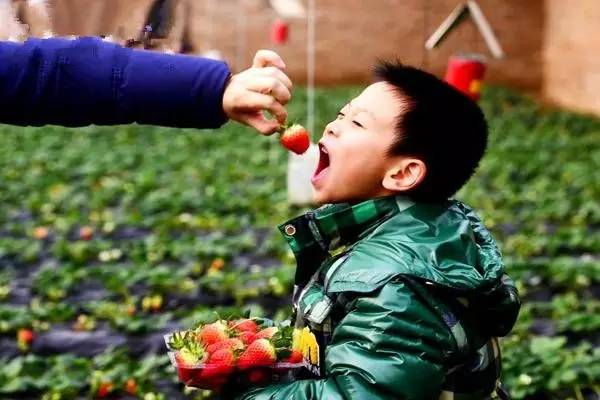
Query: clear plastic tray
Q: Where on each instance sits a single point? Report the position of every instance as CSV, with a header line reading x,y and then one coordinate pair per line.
x,y
208,377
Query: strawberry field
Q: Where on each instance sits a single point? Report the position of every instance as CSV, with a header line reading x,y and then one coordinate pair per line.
x,y
111,237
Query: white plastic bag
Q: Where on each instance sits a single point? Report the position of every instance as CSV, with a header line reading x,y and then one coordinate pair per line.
x,y
299,172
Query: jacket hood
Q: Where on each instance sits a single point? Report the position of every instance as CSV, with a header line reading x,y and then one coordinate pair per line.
x,y
444,245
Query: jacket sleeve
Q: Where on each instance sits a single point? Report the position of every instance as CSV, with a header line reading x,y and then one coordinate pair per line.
x,y
90,81
392,345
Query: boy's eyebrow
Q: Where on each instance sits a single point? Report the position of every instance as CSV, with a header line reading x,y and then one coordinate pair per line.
x,y
360,109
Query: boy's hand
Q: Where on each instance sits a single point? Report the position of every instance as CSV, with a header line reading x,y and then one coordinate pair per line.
x,y
262,87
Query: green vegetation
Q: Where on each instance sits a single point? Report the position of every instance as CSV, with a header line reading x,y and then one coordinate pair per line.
x,y
112,236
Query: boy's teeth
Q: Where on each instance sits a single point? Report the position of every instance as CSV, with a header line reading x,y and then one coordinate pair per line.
x,y
324,150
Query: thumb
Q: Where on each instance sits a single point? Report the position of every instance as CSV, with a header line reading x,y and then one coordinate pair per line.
x,y
265,58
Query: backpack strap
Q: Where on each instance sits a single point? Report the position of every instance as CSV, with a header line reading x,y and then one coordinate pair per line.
x,y
452,321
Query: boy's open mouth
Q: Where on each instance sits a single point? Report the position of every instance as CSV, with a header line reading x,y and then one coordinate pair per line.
x,y
323,165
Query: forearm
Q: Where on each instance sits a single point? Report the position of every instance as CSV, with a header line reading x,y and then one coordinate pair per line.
x,y
312,389
88,81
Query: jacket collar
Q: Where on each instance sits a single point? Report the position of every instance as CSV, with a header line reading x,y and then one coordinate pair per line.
x,y
336,225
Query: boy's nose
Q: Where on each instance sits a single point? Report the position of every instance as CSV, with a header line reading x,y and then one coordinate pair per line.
x,y
332,129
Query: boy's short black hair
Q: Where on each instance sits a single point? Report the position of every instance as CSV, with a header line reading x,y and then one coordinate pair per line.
x,y
437,124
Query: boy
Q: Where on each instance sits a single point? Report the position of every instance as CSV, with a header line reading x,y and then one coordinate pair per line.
x,y
400,292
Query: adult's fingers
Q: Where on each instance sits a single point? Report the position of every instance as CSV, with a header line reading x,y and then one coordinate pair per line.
x,y
264,58
275,73
258,102
260,123
272,86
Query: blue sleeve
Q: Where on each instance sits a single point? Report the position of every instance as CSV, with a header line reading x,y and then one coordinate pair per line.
x,y
90,81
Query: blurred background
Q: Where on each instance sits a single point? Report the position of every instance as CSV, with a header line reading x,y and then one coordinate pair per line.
x,y
112,236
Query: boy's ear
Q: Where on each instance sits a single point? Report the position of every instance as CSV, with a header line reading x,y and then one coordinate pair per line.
x,y
404,174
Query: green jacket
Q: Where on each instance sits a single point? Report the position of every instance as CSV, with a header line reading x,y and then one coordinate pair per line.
x,y
396,300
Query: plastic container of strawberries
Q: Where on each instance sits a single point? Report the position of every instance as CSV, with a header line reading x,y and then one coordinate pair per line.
x,y
205,376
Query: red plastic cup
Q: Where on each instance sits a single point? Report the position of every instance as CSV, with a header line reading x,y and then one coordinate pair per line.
x,y
465,72
279,32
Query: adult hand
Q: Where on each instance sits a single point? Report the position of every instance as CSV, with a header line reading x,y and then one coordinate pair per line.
x,y
262,87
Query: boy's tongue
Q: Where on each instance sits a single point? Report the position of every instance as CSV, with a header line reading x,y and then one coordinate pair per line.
x,y
323,165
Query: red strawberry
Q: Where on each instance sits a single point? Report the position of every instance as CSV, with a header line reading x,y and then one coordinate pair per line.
x,y
104,389
247,337
218,368
266,333
86,233
259,353
25,336
187,360
294,358
244,325
223,357
213,333
233,344
131,386
295,138
258,376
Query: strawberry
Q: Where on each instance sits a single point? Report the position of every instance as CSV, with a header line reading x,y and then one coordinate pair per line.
x,y
25,336
219,366
217,264
222,357
104,389
233,344
131,386
213,333
244,325
247,337
258,353
295,357
86,233
295,138
258,376
266,333
40,232
188,358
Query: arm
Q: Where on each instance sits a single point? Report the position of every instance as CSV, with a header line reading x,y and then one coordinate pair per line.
x,y
84,81
390,346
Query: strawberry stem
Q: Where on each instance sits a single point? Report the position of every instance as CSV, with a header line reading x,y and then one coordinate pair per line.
x,y
282,128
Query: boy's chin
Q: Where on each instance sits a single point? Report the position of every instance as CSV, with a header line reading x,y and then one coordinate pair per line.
x,y
321,197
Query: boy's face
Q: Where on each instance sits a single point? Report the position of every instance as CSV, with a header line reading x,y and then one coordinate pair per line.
x,y
353,149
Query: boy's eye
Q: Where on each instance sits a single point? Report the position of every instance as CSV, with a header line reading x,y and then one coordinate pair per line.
x,y
340,115
358,124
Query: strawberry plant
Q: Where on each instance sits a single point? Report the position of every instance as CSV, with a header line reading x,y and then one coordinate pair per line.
x,y
112,235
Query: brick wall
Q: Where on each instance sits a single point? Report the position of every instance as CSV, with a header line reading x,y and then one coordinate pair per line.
x,y
572,54
351,34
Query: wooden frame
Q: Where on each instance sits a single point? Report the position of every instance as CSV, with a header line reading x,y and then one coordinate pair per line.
x,y
472,9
